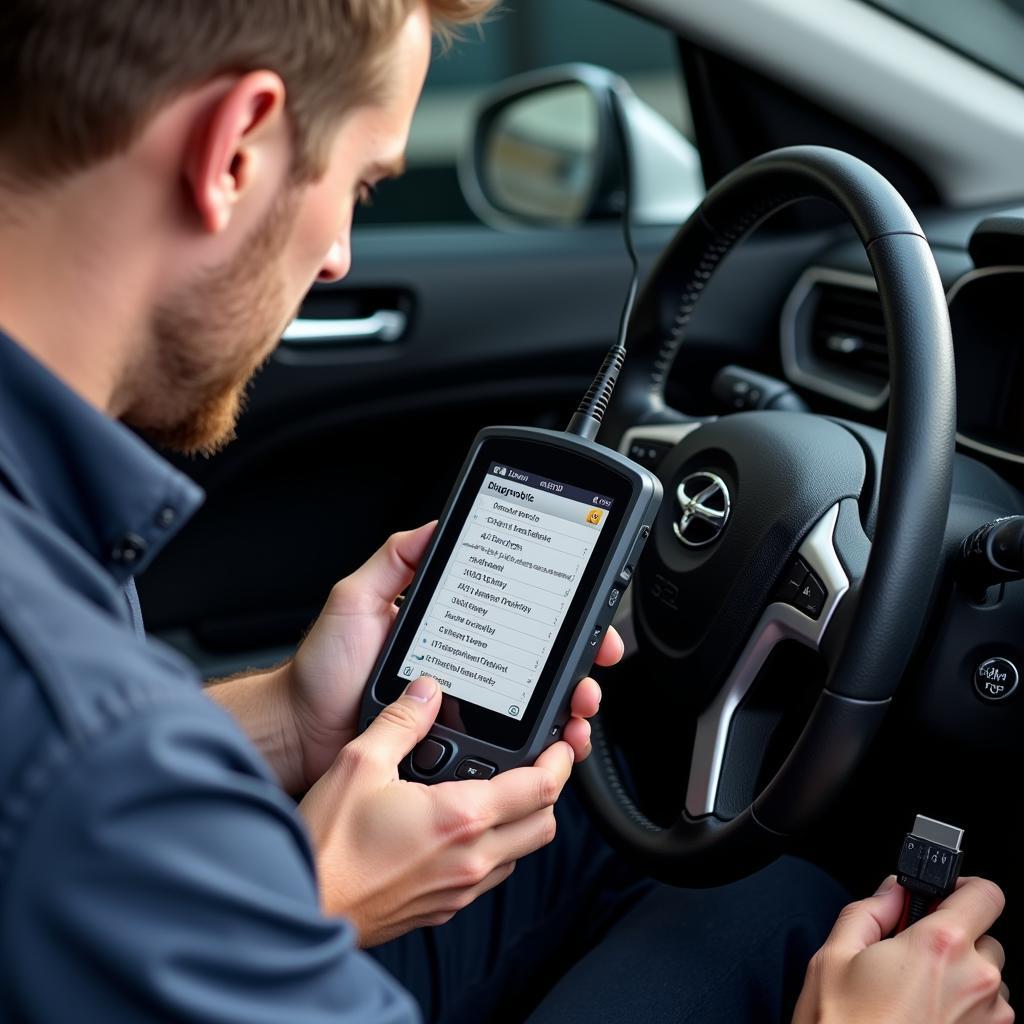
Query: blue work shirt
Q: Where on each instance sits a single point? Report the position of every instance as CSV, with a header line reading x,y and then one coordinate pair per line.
x,y
150,866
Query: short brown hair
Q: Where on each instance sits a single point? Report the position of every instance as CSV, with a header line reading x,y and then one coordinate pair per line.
x,y
80,79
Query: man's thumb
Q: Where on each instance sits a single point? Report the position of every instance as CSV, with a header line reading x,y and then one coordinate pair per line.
x,y
400,726
870,920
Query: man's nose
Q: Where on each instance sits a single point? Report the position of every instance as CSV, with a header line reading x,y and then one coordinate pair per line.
x,y
337,263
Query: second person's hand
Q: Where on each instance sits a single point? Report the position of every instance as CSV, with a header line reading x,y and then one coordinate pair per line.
x,y
944,969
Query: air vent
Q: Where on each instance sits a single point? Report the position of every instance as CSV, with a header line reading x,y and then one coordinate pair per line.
x,y
847,331
833,337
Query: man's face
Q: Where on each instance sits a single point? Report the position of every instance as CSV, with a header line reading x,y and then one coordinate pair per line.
x,y
213,336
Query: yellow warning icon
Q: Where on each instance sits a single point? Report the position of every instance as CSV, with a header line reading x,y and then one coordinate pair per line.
x,y
594,516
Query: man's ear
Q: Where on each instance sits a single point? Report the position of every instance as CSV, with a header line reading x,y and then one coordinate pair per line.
x,y
228,151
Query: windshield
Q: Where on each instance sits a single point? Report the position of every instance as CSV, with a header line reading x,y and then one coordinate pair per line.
x,y
990,32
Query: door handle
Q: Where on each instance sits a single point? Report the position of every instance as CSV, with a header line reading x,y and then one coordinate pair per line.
x,y
382,327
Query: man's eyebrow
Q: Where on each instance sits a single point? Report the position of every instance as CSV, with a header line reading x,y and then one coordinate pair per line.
x,y
387,168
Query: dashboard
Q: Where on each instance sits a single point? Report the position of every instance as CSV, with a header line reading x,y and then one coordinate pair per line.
x,y
832,339
825,340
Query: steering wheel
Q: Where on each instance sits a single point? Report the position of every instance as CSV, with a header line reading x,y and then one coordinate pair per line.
x,y
764,507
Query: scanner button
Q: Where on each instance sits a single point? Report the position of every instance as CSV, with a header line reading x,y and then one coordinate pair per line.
x,y
430,755
471,768
629,567
613,597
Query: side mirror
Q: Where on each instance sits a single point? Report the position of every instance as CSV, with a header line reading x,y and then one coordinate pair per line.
x,y
547,152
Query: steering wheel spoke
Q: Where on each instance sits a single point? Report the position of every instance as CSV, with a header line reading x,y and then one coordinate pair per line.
x,y
780,621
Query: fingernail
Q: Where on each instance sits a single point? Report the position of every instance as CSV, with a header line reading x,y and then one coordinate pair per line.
x,y
887,886
421,689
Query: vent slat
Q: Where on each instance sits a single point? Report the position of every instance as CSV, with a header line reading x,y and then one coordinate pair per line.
x,y
848,332
853,323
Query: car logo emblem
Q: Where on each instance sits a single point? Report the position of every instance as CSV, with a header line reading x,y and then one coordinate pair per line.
x,y
703,509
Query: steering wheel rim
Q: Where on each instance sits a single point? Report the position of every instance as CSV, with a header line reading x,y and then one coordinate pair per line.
x,y
873,624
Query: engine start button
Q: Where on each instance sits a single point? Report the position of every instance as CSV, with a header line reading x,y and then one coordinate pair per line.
x,y
995,679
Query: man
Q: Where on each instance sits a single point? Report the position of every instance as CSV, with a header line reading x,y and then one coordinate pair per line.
x,y
172,179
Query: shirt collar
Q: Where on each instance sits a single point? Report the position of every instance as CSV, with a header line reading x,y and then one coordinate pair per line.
x,y
86,473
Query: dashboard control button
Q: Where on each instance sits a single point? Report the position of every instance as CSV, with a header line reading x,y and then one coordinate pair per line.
x,y
429,755
595,637
648,453
471,768
995,679
810,599
791,583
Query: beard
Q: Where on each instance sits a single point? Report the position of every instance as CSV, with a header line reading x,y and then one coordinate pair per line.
x,y
209,342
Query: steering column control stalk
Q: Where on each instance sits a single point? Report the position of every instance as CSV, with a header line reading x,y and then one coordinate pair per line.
x,y
993,554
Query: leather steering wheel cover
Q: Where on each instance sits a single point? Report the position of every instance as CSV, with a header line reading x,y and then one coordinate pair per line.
x,y
916,477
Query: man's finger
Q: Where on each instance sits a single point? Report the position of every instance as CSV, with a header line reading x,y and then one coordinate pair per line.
x,y
975,905
586,698
611,650
577,734
514,794
991,950
558,759
455,899
868,921
401,725
495,878
390,569
519,839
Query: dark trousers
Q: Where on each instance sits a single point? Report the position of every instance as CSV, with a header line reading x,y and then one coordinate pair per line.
x,y
578,935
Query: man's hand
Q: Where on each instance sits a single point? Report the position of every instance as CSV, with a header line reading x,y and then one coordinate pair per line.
x,y
944,969
395,855
324,682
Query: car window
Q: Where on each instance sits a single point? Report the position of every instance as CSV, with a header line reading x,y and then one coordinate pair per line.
x,y
990,32
524,35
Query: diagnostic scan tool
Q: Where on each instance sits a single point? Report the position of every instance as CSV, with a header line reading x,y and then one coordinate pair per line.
x,y
539,540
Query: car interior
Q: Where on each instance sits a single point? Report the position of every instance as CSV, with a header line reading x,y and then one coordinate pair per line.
x,y
827,204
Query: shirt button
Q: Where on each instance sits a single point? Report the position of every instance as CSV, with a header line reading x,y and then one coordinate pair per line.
x,y
166,516
129,549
